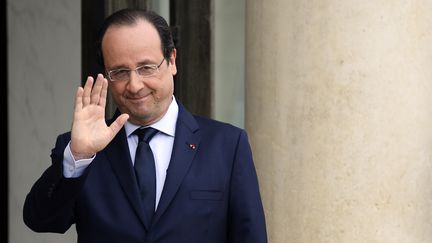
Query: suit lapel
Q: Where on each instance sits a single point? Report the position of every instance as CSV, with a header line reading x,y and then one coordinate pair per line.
x,y
118,155
186,143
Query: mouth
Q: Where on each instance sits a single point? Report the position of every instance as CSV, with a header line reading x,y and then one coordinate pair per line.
x,y
139,99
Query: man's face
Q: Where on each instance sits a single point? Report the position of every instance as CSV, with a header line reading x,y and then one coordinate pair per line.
x,y
145,99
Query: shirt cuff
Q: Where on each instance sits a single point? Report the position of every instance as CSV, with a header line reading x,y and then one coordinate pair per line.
x,y
74,168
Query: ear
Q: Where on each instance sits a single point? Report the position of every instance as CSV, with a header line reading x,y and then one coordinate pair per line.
x,y
172,62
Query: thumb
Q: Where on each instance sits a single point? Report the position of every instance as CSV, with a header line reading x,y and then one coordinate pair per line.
x,y
118,123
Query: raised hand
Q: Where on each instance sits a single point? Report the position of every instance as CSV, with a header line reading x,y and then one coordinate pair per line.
x,y
90,134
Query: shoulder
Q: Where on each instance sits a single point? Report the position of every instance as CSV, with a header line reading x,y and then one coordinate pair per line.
x,y
215,130
207,126
209,123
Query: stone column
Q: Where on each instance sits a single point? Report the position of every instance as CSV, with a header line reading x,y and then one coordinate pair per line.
x,y
339,114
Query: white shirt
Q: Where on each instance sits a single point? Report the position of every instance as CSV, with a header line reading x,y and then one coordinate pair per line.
x,y
161,145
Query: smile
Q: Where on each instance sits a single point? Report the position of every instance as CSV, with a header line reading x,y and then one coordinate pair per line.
x,y
138,99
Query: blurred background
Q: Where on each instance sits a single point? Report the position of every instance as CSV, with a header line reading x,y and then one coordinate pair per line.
x,y
336,97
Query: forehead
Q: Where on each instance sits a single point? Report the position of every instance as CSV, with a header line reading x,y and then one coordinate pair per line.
x,y
131,42
141,30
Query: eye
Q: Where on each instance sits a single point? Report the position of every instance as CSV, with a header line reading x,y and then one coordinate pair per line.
x,y
120,73
149,67
146,69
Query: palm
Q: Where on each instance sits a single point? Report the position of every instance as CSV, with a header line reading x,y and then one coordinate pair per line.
x,y
90,134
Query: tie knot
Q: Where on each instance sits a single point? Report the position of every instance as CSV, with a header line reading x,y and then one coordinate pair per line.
x,y
145,134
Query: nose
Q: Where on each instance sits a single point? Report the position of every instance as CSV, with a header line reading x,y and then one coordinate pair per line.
x,y
135,83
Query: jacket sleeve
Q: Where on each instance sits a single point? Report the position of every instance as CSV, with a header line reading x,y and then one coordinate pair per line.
x,y
49,206
246,214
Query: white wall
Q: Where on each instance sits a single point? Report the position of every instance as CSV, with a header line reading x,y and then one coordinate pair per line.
x,y
229,58
44,59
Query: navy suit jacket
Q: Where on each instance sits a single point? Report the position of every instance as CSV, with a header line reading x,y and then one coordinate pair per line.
x,y
211,192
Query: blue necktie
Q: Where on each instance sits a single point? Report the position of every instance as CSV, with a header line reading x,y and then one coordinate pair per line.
x,y
145,171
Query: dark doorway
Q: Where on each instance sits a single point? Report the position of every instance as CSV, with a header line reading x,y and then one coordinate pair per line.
x,y
92,16
190,21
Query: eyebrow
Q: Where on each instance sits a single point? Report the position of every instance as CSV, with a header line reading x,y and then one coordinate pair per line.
x,y
139,64
146,62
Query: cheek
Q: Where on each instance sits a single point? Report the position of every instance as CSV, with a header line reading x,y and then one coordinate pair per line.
x,y
167,89
162,86
116,91
116,87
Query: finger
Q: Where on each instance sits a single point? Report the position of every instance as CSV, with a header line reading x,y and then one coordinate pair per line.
x,y
118,123
96,91
87,91
78,99
102,100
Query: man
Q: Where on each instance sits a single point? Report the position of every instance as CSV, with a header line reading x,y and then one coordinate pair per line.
x,y
205,187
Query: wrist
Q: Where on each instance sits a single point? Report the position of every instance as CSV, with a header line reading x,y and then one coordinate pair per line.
x,y
79,155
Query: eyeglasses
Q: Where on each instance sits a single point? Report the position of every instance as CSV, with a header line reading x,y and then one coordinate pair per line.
x,y
124,75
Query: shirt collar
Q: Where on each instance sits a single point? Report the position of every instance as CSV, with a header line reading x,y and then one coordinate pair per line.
x,y
165,125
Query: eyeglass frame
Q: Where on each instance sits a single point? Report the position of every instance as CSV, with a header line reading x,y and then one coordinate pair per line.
x,y
154,67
